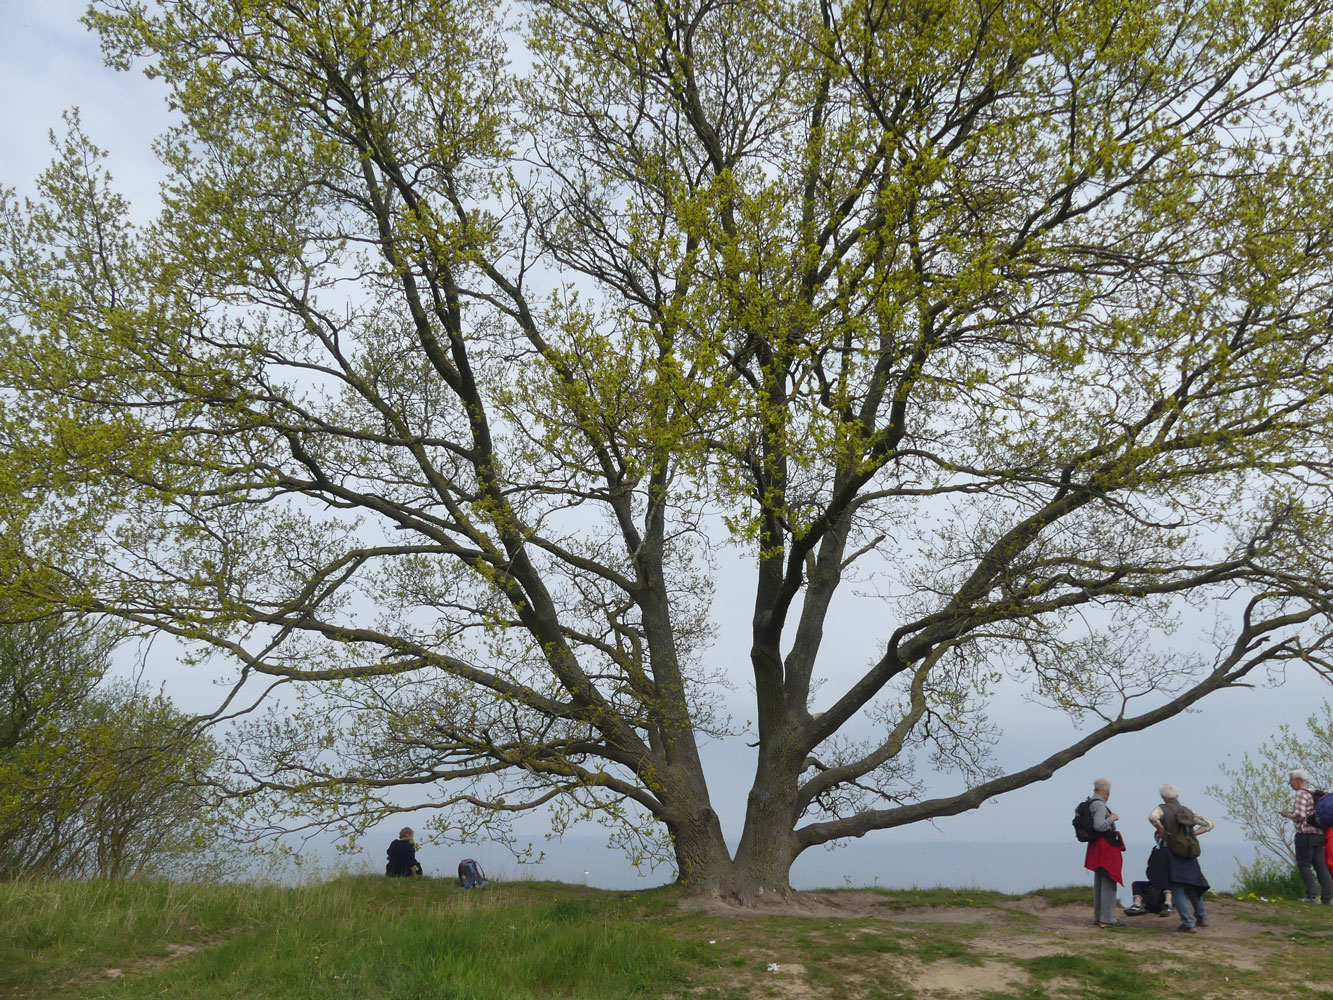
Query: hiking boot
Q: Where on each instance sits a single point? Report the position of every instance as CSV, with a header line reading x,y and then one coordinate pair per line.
x,y
1184,929
1201,922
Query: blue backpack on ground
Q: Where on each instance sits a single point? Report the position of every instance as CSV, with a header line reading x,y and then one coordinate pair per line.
x,y
470,875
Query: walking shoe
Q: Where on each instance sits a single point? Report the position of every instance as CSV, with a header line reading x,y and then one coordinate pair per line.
x,y
1201,922
1113,924
1135,911
1309,899
1167,910
1184,929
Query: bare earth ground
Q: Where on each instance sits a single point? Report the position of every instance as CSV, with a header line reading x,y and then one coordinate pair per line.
x,y
1228,943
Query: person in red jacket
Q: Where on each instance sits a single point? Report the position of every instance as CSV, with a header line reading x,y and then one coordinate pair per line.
x,y
1328,833
1105,857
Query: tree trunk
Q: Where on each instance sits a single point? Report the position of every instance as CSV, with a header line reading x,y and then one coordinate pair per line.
x,y
702,858
768,846
759,870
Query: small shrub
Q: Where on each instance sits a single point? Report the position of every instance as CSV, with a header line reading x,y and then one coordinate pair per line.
x,y
1267,878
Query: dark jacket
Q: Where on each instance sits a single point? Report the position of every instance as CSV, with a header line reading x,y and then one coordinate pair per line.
x,y
1158,871
1185,871
402,859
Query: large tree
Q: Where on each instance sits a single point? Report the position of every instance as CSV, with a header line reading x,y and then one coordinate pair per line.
x,y
450,364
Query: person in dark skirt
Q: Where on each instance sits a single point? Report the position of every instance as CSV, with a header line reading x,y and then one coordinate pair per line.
x,y
402,855
1187,881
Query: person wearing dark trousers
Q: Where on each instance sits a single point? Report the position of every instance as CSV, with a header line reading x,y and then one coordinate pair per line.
x,y
1309,841
1153,893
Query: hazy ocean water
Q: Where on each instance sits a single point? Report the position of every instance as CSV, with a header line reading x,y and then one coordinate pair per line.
x,y
887,862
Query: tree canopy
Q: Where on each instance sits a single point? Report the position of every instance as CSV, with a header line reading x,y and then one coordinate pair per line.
x,y
467,337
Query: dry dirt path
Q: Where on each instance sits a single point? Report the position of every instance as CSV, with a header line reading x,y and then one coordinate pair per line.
x,y
1243,954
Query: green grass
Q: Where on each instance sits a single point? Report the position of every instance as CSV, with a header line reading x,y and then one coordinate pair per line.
x,y
352,937
391,939
901,899
58,930
1101,976
1064,896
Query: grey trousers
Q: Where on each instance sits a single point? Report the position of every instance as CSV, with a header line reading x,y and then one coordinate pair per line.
x,y
1310,862
1103,898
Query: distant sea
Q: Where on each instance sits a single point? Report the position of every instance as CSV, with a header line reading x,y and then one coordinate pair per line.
x,y
887,862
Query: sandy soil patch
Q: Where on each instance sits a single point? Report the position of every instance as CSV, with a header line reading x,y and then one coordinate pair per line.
x,y
1008,932
956,979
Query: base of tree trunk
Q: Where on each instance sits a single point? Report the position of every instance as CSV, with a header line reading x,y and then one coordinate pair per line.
x,y
746,894
789,902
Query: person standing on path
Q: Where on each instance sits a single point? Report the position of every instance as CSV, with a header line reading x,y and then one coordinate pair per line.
x,y
1328,843
1309,840
1179,828
1105,857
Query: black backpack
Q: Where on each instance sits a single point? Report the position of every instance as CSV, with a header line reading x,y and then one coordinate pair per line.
x,y
1083,822
1154,896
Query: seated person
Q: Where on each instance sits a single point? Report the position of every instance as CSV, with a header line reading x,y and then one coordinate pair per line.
x,y
1154,894
402,855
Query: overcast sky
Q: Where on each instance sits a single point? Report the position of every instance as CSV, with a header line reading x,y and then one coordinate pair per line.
x,y
48,63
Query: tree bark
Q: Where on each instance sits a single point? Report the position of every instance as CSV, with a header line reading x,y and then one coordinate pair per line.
x,y
702,858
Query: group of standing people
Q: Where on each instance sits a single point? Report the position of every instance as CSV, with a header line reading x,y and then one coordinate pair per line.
x,y
1173,866
1175,881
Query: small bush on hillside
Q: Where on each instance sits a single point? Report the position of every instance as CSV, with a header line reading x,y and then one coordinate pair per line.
x,y
97,779
1266,877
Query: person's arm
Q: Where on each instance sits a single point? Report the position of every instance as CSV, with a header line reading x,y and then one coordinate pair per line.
x,y
1202,824
1301,808
1103,819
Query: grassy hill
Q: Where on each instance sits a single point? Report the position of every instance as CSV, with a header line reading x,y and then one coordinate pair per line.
x,y
371,937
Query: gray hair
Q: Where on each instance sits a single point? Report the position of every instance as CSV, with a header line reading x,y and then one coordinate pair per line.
x,y
1299,774
1168,792
405,833
1101,785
